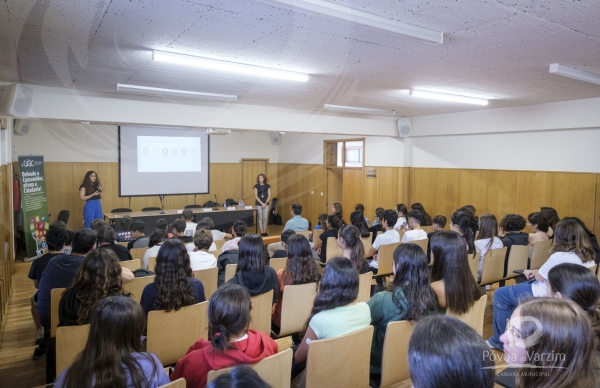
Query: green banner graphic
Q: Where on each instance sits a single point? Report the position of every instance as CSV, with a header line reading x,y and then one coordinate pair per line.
x,y
33,202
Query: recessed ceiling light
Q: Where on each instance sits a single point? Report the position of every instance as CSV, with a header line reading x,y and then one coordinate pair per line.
x,y
233,67
147,90
358,110
447,97
580,75
338,12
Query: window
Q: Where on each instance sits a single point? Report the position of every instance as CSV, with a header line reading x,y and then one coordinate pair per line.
x,y
344,153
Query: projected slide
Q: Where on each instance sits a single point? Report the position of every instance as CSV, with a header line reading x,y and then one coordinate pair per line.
x,y
169,154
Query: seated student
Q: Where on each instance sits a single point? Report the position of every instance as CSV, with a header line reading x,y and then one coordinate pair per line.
x,y
361,208
155,241
200,258
238,230
285,235
357,219
296,223
98,276
67,248
190,227
565,351
174,285
140,240
591,236
375,222
352,247
321,220
510,230
415,233
251,272
114,354
439,223
473,219
105,237
401,211
231,342
377,227
410,297
459,223
438,339
333,223
451,277
300,268
552,218
486,238
336,210
191,247
239,377
425,218
161,224
538,226
178,231
571,245
389,237
217,234
97,224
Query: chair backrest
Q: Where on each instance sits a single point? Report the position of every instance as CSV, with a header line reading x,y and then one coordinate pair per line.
x,y
152,263
296,306
151,209
121,210
540,254
333,249
317,233
394,359
63,216
261,312
305,233
325,368
493,266
55,295
230,270
364,286
473,263
278,263
428,229
138,253
385,256
131,264
367,243
193,207
422,243
170,335
137,285
517,259
209,279
219,243
179,383
70,341
124,243
274,370
473,317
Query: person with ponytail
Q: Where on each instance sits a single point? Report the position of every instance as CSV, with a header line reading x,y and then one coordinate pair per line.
x,y
353,248
460,223
357,219
231,342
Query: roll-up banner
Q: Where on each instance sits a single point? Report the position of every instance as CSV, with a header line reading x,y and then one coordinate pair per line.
x,y
33,203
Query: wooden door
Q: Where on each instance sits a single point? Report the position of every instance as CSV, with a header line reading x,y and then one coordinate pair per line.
x,y
335,181
353,191
250,170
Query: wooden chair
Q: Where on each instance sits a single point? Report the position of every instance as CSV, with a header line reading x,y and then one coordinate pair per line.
x,y
364,287
367,243
305,233
171,334
422,243
296,306
317,233
138,253
220,243
473,263
594,269
517,259
493,266
386,259
216,253
209,278
124,243
70,341
284,343
261,312
137,285
394,359
230,271
326,368
278,263
274,370
473,317
428,229
55,295
333,249
540,254
131,264
151,263
179,383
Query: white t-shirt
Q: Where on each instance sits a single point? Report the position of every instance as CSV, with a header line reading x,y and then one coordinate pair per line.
x,y
482,247
150,252
400,222
412,235
389,237
202,260
217,235
539,289
190,247
190,228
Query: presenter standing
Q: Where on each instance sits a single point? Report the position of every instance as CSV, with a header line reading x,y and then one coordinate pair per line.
x,y
262,193
90,191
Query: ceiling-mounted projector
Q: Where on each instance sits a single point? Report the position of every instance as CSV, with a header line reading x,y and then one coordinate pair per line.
x,y
211,131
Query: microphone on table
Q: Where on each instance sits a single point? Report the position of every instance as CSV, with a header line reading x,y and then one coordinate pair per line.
x,y
217,202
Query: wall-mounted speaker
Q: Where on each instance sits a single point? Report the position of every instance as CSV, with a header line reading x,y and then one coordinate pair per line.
x,y
404,127
275,138
16,100
22,127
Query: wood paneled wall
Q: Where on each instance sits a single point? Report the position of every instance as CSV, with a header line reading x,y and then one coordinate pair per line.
x,y
6,239
302,183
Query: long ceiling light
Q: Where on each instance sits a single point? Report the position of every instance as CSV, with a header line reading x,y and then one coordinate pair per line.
x,y
580,75
233,67
378,23
354,109
136,89
447,97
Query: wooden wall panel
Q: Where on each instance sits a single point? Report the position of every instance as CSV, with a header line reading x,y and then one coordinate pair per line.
x,y
61,190
422,188
387,178
335,180
574,195
473,189
352,190
371,192
535,189
597,208
403,192
447,193
109,172
502,193
315,203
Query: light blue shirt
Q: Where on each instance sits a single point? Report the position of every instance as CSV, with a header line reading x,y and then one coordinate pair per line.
x,y
297,224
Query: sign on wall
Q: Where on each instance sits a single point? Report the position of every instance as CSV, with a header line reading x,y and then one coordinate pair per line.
x,y
33,203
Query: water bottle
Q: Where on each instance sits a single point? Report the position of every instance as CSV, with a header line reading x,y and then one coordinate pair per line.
x,y
241,202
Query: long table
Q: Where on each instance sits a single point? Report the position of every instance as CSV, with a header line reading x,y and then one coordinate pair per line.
x,y
222,218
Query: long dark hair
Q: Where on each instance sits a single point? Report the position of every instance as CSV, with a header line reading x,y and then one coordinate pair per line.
x,y
99,276
351,237
357,219
300,267
425,218
113,348
539,219
173,271
90,187
569,236
156,238
228,315
412,277
551,215
462,221
338,210
488,228
339,286
450,264
334,222
251,254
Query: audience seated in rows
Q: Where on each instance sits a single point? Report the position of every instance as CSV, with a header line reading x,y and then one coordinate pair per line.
x,y
283,251
357,219
414,223
336,210
178,231
333,224
238,230
296,223
217,234
105,237
425,218
359,207
200,258
538,226
401,211
389,237
321,221
439,223
190,227
470,211
352,247
552,218
510,229
459,222
155,241
191,247
487,238
140,240
161,225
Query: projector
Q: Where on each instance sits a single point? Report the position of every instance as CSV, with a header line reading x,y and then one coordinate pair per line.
x,y
211,131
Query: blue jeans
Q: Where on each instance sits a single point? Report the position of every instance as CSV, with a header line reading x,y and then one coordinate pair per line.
x,y
91,211
506,300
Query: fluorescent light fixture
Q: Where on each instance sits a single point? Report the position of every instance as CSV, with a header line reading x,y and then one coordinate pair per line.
x,y
378,23
447,97
136,89
233,67
580,75
364,111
